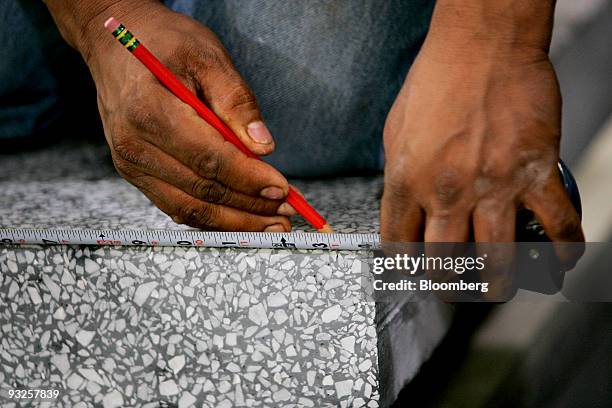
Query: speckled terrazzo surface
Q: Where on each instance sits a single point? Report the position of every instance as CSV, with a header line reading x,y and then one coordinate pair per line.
x,y
182,327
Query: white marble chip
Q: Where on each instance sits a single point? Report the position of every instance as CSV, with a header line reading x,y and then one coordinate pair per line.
x,y
176,326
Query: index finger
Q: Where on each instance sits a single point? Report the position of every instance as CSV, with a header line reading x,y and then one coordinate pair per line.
x,y
176,129
554,210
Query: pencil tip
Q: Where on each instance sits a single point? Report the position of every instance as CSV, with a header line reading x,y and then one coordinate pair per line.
x,y
326,229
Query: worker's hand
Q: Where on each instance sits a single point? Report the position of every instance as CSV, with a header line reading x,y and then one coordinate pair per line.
x,y
159,144
472,137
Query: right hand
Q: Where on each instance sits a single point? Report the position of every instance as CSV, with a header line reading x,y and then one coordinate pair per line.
x,y
159,144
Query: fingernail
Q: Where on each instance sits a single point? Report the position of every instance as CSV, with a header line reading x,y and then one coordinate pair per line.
x,y
259,132
273,193
286,209
275,228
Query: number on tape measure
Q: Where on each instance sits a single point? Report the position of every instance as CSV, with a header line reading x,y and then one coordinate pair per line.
x,y
188,238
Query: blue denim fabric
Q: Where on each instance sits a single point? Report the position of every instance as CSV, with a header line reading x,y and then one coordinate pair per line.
x,y
28,89
325,73
43,82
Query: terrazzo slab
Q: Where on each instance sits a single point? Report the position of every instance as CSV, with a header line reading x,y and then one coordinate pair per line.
x,y
225,328
112,326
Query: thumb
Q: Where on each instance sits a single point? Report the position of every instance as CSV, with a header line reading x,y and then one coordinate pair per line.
x,y
232,100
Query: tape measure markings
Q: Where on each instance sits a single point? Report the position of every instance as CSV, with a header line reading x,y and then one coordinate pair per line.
x,y
188,238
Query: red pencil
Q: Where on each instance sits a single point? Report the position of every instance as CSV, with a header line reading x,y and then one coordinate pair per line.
x,y
166,77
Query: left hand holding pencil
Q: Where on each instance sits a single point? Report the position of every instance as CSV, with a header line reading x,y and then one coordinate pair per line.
x,y
160,145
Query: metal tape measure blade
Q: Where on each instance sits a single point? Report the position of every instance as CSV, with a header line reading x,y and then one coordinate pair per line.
x,y
188,238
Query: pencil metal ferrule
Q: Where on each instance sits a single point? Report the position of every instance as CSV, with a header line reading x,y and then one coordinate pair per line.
x,y
126,38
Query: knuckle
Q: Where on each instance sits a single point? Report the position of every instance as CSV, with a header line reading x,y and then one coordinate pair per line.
x,y
448,187
213,192
198,215
394,193
204,58
127,149
200,187
263,207
223,194
495,168
142,117
398,183
129,172
525,158
209,56
208,164
238,97
492,171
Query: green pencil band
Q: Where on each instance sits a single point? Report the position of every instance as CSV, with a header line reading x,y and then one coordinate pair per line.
x,y
126,38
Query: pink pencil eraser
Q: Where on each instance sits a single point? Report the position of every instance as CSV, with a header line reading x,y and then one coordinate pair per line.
x,y
111,24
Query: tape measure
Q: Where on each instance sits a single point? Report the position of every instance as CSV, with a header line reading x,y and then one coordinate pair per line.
x,y
188,238
528,230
